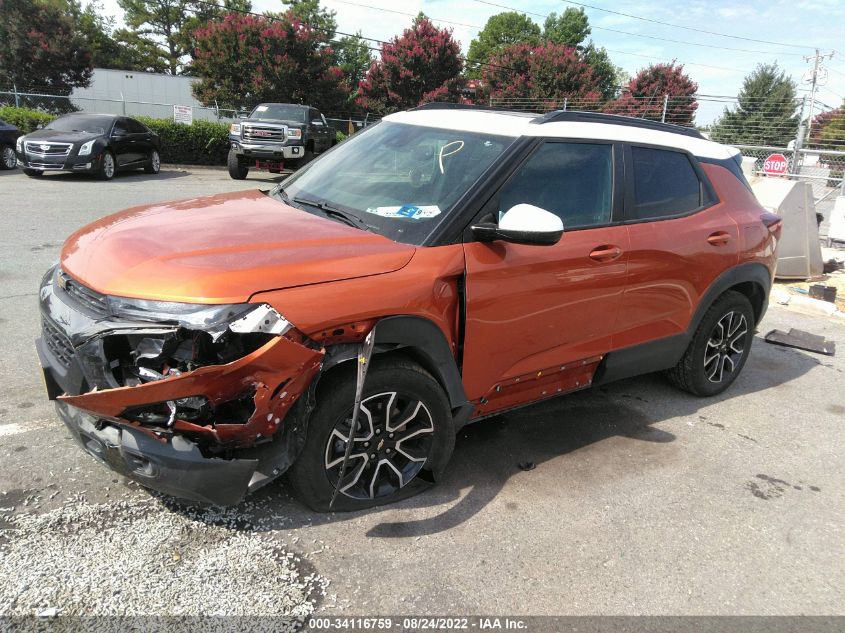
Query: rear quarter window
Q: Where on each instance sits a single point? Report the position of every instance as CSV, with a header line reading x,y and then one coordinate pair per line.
x,y
665,184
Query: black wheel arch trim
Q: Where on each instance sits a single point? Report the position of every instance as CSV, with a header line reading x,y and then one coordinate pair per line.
x,y
666,352
425,342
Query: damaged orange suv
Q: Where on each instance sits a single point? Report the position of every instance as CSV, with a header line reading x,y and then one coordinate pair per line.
x,y
438,268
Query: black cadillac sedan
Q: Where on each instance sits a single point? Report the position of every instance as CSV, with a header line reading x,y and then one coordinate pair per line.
x,y
99,144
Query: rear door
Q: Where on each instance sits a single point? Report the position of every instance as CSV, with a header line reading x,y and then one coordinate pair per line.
x,y
141,140
681,236
539,317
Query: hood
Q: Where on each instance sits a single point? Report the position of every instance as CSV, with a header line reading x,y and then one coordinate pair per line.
x,y
61,137
288,122
222,249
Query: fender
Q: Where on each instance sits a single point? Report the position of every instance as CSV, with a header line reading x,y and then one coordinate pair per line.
x,y
665,353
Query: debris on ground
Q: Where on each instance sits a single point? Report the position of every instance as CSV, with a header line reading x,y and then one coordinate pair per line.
x,y
802,340
143,558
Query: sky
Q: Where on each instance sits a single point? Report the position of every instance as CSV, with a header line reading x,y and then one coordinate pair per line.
x,y
709,59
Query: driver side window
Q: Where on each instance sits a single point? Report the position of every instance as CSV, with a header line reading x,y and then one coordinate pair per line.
x,y
572,180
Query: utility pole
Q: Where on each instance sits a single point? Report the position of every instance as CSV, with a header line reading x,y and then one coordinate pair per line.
x,y
817,60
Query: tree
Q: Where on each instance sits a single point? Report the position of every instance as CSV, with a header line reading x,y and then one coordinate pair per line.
x,y
822,121
608,76
161,31
646,94
546,73
570,28
353,56
245,59
40,49
500,31
765,111
423,64
310,12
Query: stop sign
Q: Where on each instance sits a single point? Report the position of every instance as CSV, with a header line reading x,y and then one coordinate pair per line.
x,y
775,165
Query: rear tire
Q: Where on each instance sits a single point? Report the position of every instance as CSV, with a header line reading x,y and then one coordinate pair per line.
x,y
237,167
719,348
404,437
108,168
8,159
33,173
153,165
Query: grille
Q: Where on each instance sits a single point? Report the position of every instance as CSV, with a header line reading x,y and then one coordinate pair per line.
x,y
47,149
87,298
57,342
263,133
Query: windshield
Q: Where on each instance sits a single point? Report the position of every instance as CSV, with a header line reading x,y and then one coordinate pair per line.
x,y
94,125
280,112
399,179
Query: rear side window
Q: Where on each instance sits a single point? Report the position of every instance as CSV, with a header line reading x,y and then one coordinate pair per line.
x,y
665,184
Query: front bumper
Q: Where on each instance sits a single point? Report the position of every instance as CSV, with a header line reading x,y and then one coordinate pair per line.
x,y
212,461
266,150
78,164
174,466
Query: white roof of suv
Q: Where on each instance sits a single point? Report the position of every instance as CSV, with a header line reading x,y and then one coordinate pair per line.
x,y
520,124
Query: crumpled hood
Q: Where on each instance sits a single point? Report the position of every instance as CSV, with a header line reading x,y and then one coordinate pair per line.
x,y
222,249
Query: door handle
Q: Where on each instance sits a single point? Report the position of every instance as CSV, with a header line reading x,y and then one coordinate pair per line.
x,y
719,238
606,253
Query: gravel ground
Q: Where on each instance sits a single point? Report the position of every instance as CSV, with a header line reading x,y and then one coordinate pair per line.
x,y
148,557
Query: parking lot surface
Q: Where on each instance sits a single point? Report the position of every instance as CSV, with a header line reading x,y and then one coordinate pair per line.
x,y
642,499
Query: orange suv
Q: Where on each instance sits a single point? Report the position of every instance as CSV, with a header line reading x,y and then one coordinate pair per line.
x,y
442,266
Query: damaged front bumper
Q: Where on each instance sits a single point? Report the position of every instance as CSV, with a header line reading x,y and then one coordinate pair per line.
x,y
156,402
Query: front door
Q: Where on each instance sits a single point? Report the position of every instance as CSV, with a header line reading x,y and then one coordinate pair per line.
x,y
539,318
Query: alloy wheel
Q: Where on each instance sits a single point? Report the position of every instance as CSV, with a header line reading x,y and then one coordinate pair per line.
x,y
155,161
9,159
108,165
725,346
394,438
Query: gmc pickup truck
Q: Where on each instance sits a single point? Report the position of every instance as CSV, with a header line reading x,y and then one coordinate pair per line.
x,y
275,135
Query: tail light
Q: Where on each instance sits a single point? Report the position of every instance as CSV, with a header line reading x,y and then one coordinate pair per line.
x,y
772,222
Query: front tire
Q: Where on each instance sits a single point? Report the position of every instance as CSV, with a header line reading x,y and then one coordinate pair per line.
x,y
108,167
719,349
153,165
8,158
237,167
404,434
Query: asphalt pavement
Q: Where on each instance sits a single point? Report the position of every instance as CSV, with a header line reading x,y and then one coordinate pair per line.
x,y
642,499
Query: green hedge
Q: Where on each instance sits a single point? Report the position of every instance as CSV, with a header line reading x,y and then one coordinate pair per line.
x,y
201,143
24,118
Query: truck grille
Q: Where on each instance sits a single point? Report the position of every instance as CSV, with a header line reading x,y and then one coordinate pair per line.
x,y
47,149
263,133
90,299
58,344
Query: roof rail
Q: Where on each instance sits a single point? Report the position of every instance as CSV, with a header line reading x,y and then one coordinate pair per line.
x,y
445,105
576,116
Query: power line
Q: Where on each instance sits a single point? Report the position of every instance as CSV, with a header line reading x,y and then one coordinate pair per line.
x,y
611,50
643,35
680,26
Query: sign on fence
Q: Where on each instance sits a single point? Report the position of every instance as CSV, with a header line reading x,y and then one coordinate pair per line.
x,y
183,114
775,165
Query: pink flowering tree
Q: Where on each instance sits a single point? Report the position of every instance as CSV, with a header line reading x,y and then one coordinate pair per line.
x,y
544,75
243,60
646,93
421,65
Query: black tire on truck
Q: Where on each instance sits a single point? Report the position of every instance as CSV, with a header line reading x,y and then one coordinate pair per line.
x,y
237,166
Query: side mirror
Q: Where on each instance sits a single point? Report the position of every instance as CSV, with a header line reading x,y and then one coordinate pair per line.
x,y
522,224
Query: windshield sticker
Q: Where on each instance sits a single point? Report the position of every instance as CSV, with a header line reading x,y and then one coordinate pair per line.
x,y
422,212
